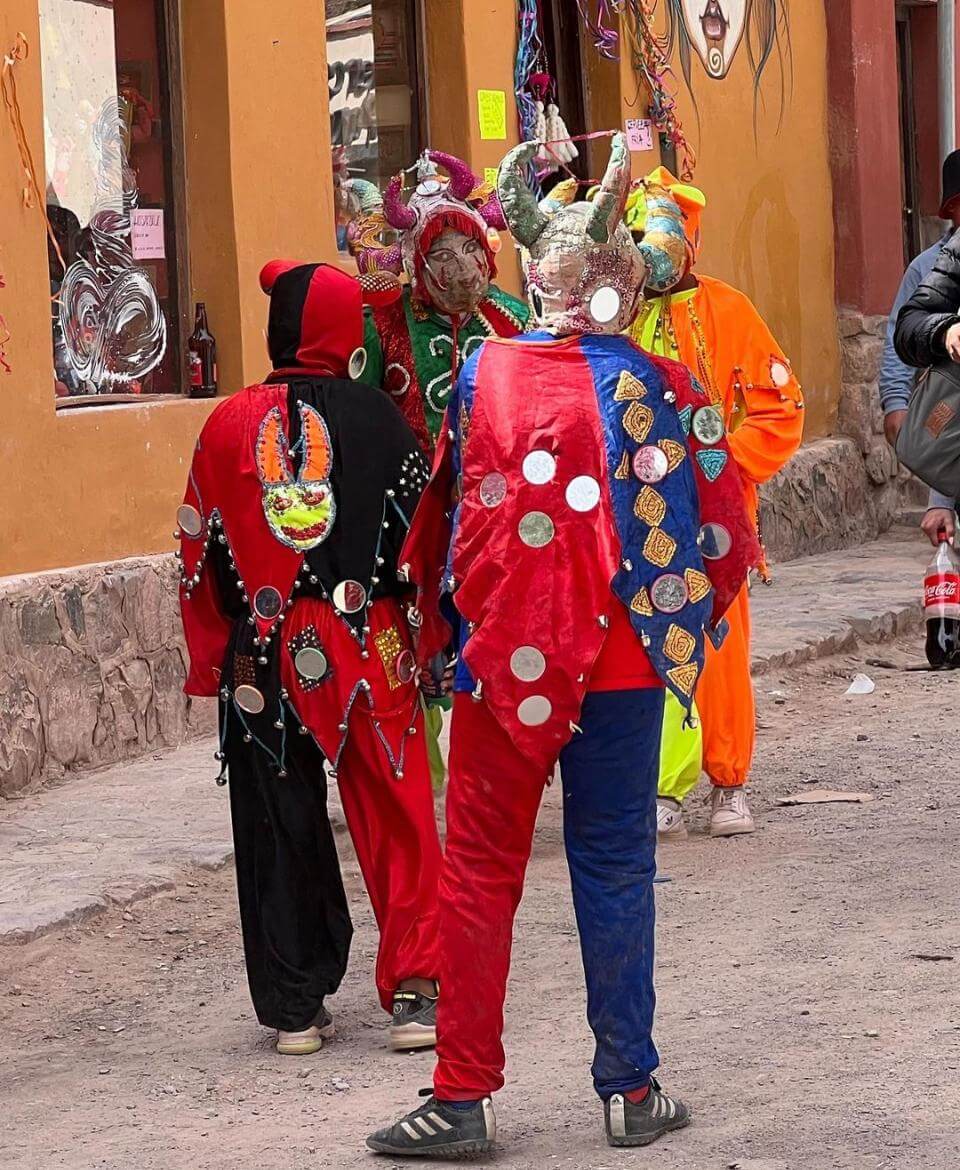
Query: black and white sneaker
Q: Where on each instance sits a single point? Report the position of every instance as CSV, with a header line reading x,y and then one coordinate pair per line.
x,y
639,1125
414,1022
436,1130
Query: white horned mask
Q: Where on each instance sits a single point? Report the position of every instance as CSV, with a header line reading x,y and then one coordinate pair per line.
x,y
584,272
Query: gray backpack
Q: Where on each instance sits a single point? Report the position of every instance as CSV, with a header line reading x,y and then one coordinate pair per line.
x,y
929,442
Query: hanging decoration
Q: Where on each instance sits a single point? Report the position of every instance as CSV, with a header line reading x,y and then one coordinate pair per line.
x,y
540,119
650,58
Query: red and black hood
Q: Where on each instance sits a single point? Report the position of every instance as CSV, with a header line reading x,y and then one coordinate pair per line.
x,y
316,315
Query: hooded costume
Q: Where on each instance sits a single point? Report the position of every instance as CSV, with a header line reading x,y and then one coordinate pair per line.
x,y
718,334
299,496
598,533
414,350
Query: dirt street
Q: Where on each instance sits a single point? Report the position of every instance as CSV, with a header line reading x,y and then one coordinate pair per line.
x,y
808,1005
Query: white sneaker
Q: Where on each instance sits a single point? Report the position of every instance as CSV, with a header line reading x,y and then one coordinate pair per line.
x,y
310,1040
670,822
731,813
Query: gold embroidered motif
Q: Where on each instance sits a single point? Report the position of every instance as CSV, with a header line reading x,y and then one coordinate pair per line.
x,y
679,644
389,646
684,678
629,388
698,585
641,604
623,471
464,424
674,451
650,506
659,548
637,421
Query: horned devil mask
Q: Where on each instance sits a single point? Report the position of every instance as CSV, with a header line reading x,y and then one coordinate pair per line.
x,y
584,272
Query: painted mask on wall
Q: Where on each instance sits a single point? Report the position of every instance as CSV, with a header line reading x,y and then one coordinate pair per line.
x,y
584,272
715,29
300,511
456,272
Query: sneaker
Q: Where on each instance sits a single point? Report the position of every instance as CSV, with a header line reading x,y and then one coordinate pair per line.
x,y
436,1130
414,1023
670,822
639,1125
731,814
310,1040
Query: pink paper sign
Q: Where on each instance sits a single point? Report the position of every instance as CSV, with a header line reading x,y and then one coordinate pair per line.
x,y
639,134
146,234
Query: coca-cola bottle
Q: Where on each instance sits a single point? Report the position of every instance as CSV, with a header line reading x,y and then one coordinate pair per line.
x,y
941,606
202,348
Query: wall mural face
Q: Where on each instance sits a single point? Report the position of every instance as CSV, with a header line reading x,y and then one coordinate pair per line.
x,y
715,31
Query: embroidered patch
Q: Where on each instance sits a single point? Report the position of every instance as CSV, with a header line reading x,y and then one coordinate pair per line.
x,y
650,506
623,471
244,670
674,451
659,548
684,678
686,418
698,583
464,424
637,421
642,604
629,388
390,646
301,511
679,645
712,462
697,387
938,418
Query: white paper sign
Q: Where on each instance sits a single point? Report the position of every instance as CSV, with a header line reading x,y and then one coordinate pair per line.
x,y
146,234
639,134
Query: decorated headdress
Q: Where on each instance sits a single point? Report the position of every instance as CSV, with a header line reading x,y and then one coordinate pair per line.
x,y
690,200
459,200
584,272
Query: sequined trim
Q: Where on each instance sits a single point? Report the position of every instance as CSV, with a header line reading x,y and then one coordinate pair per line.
x,y
390,646
659,548
307,639
679,644
638,421
244,670
650,506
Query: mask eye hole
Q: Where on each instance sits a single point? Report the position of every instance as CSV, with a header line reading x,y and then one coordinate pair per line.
x,y
281,503
317,496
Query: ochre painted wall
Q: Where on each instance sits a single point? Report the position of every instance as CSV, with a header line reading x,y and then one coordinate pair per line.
x,y
768,226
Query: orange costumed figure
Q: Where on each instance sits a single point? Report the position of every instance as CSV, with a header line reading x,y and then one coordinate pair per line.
x,y
717,332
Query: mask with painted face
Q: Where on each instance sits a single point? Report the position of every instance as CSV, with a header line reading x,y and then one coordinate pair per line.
x,y
300,511
715,29
584,272
456,272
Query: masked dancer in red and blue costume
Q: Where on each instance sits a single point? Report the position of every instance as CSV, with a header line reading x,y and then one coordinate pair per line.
x,y
598,536
299,498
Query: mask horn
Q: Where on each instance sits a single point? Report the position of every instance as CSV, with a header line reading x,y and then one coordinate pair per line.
x,y
397,213
462,179
272,451
317,448
524,217
664,245
611,199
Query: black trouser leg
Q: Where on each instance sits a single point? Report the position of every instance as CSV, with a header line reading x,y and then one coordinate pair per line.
x,y
293,908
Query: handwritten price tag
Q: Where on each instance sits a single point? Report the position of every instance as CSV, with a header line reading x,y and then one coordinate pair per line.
x,y
639,134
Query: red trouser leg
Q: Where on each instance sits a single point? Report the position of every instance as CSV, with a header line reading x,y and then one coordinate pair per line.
x,y
492,801
394,833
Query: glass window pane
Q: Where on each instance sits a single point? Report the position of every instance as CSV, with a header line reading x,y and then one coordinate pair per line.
x,y
372,64
106,132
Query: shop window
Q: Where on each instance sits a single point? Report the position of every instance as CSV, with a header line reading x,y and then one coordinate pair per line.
x,y
376,106
117,263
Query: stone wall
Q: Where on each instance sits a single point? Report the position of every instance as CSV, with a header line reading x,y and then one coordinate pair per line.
x,y
841,491
92,670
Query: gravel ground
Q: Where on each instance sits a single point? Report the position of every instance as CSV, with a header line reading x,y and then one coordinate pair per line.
x,y
807,988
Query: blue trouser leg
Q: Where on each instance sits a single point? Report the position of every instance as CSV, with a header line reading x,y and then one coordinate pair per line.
x,y
610,774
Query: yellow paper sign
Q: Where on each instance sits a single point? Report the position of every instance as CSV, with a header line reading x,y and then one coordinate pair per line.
x,y
492,104
490,175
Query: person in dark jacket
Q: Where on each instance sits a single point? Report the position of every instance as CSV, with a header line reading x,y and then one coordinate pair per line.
x,y
928,327
300,494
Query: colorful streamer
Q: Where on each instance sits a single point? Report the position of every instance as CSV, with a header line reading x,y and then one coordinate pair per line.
x,y
601,25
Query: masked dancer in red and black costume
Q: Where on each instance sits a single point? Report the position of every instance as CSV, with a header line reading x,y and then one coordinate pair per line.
x,y
299,497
